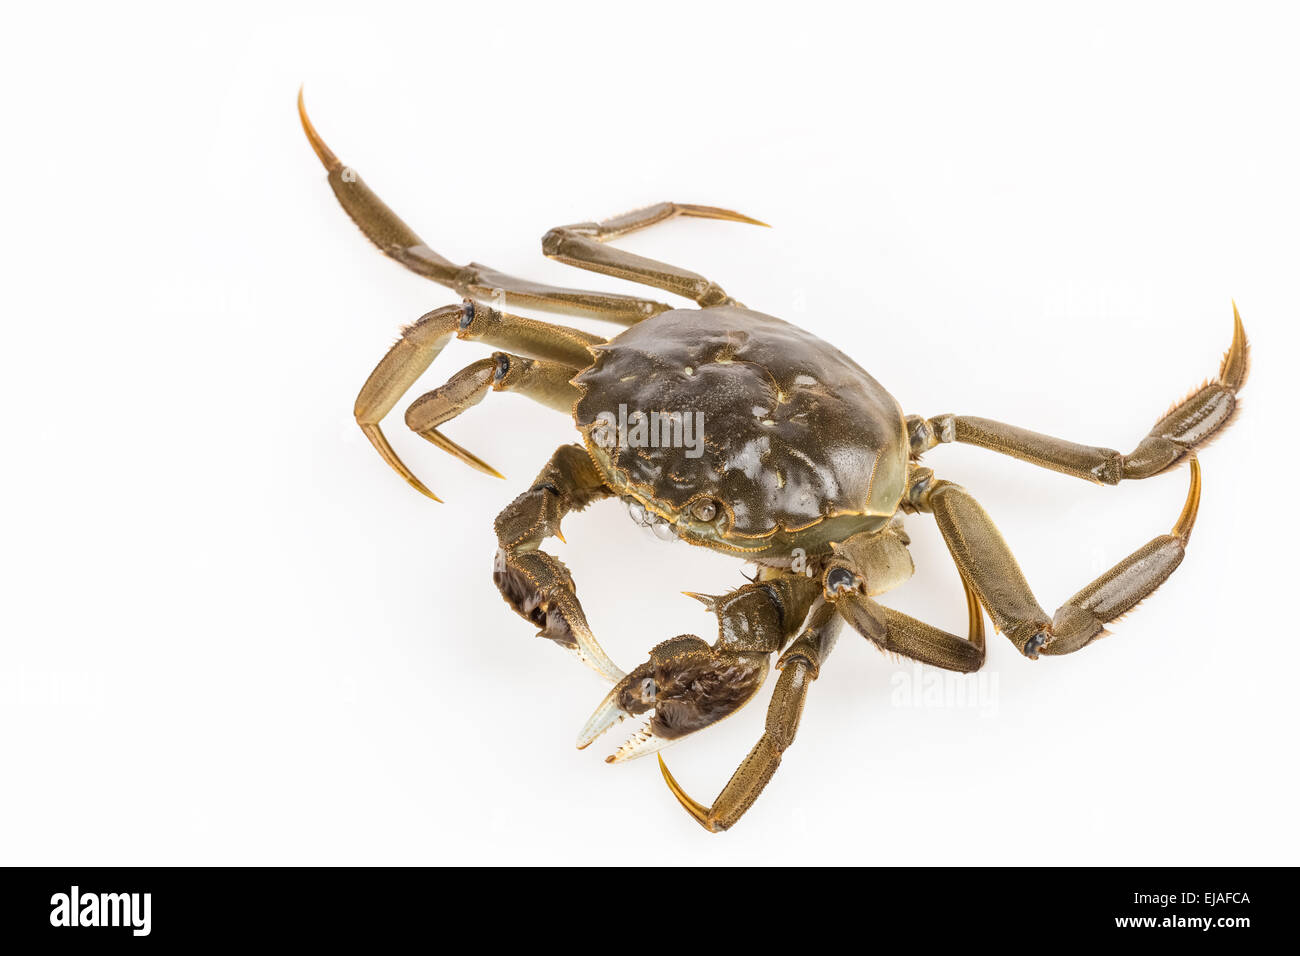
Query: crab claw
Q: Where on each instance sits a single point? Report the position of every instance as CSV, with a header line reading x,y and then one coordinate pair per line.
x,y
685,686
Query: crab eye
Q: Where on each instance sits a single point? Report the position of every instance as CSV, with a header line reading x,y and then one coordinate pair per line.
x,y
705,510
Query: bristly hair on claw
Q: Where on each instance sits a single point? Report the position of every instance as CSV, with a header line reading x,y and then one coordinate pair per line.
x,y
685,686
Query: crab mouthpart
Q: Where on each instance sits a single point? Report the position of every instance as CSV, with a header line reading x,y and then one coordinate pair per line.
x,y
664,531
658,525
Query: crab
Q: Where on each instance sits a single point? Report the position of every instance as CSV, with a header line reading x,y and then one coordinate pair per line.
x,y
729,429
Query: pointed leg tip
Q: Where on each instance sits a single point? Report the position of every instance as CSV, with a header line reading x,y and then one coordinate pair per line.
x,y
1187,518
375,434
420,486
323,152
697,810
1235,368
435,437
717,212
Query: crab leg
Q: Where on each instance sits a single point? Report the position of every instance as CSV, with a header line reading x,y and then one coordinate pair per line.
x,y
898,633
424,339
582,245
537,584
1190,424
546,383
399,242
799,666
987,564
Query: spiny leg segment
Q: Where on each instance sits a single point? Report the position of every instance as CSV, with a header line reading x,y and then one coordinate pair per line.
x,y
686,684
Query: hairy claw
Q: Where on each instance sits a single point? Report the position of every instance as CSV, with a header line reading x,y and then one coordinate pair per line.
x,y
538,586
685,686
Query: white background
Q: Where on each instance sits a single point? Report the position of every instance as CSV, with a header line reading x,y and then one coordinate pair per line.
x,y
231,634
